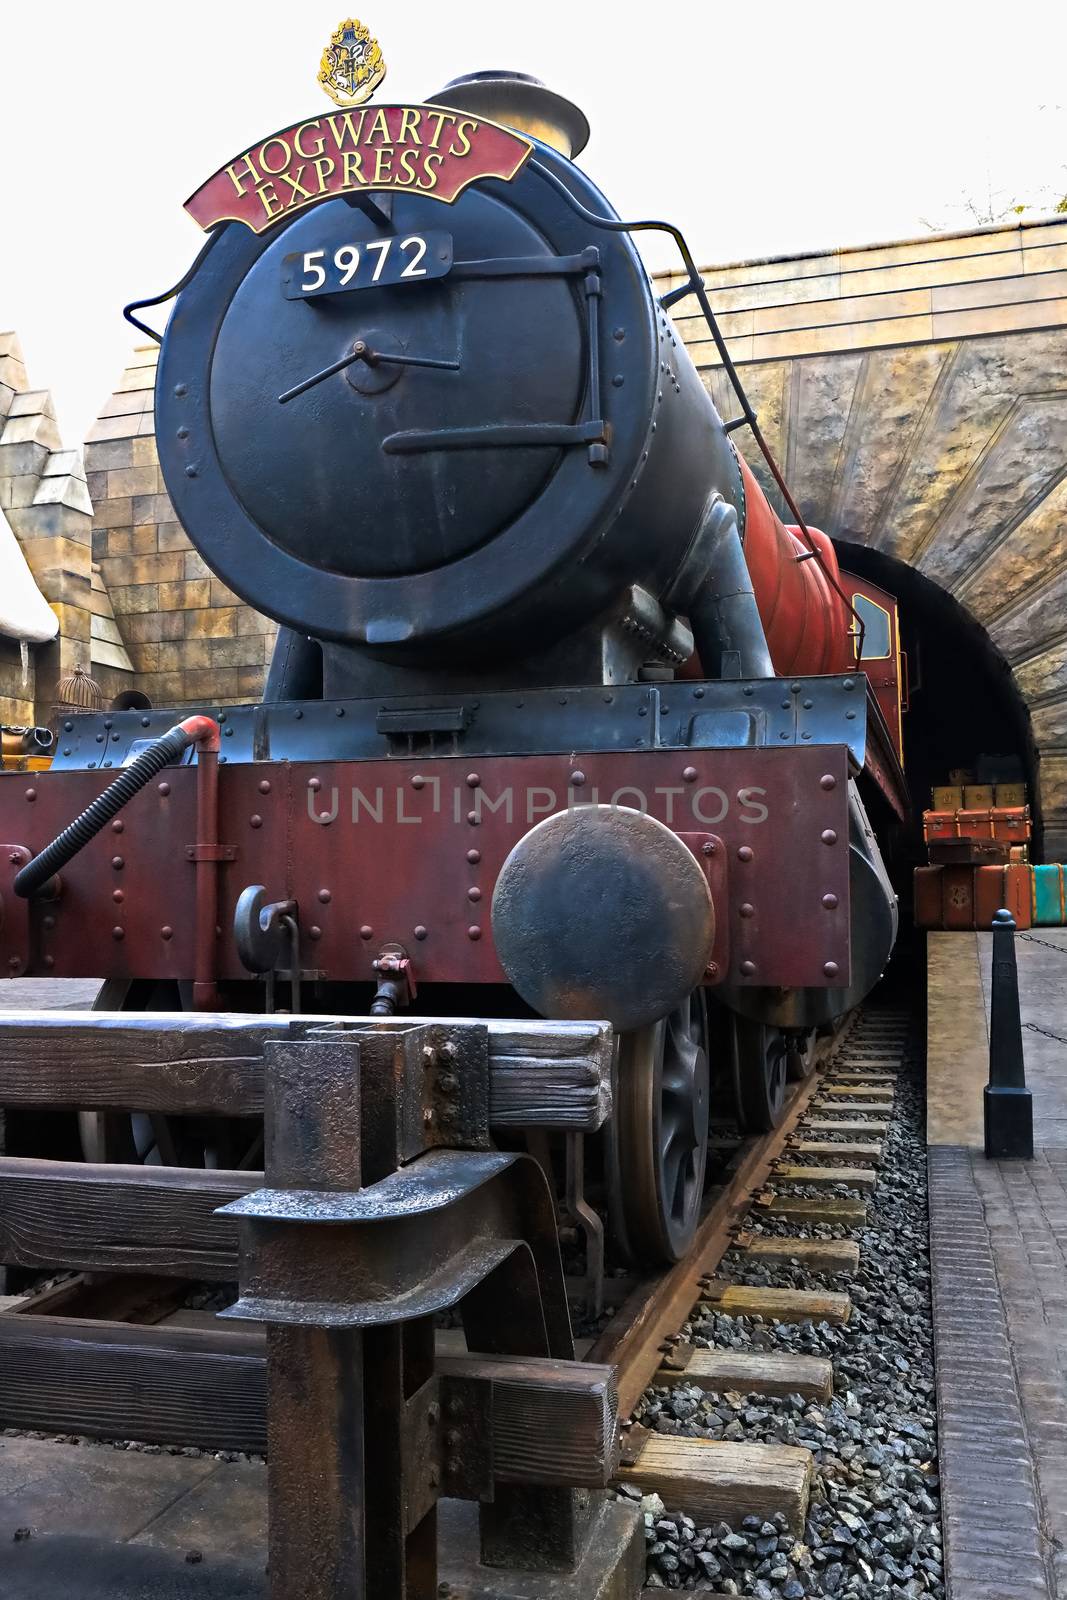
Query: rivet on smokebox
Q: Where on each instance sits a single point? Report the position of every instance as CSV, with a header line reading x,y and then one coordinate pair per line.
x,y
474,856
418,781
118,863
118,933
314,932
830,902
474,894
474,933
827,781
689,774
828,836
748,969
577,779
255,821
264,786
164,789
31,794
420,932
325,897
473,780
830,968
745,853
315,783
746,910
166,933
118,826
366,932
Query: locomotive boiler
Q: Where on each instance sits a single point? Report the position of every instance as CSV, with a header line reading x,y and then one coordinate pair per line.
x,y
562,719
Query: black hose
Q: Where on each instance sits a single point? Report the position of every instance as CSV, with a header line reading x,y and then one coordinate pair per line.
x,y
159,754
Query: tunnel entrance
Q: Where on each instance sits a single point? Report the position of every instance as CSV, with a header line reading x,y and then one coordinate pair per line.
x,y
965,710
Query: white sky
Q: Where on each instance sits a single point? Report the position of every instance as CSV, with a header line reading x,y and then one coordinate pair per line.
x,y
761,128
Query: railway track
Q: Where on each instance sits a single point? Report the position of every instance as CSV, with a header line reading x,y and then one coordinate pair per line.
x,y
793,1196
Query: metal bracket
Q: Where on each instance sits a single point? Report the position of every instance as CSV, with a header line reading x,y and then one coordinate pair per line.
x,y
211,852
434,1079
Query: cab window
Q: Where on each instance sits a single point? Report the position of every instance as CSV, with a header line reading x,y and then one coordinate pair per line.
x,y
876,637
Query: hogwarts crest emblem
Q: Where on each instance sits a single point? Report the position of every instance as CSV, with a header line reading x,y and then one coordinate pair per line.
x,y
352,64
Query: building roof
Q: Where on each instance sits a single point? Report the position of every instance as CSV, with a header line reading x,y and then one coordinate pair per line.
x,y
24,611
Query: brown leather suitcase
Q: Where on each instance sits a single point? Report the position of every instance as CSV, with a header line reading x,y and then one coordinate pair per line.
x,y
965,897
948,797
1003,888
975,852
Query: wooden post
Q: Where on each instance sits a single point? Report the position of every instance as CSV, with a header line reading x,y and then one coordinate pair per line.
x,y
315,1396
1007,1102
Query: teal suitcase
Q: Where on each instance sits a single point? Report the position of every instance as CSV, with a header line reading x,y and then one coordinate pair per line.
x,y
1050,909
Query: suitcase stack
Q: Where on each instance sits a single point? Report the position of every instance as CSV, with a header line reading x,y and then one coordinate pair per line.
x,y
977,837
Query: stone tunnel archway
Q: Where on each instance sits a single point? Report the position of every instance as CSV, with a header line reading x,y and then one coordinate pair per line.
x,y
964,699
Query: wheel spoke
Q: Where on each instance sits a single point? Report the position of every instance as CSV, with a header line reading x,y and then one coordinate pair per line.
x,y
660,1134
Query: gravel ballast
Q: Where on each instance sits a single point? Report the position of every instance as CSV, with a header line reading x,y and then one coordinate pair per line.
x,y
873,1524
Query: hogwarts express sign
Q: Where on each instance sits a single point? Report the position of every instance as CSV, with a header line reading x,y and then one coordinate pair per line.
x,y
424,149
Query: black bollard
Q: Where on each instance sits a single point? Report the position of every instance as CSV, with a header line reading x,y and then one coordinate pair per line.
x,y
1008,1104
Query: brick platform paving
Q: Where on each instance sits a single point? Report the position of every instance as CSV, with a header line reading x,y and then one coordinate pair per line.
x,y
998,1235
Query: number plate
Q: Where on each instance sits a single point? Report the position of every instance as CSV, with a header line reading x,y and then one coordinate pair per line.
x,y
366,264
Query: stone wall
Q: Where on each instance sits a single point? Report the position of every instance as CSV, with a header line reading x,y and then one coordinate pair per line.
x,y
916,396
45,501
190,638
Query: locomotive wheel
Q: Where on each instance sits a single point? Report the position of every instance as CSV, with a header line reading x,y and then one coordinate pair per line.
x,y
800,1056
658,1137
762,1065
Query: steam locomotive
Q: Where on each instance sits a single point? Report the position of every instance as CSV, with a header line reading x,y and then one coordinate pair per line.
x,y
562,719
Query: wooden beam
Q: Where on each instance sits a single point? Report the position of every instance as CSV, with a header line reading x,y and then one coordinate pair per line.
x,y
553,1421
854,1177
713,1481
750,1372
859,1091
839,1151
778,1305
111,1380
831,1125
549,1074
847,1212
819,1255
72,1214
870,1108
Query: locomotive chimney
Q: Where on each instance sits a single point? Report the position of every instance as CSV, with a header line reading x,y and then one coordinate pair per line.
x,y
521,102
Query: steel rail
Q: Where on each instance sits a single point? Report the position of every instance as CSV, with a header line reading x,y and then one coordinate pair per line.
x,y
636,1337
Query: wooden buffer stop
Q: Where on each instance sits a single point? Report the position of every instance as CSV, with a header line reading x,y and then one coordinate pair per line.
x,y
383,1203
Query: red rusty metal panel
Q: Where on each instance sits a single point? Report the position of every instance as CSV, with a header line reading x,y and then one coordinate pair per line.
x,y
151,889
378,852
362,845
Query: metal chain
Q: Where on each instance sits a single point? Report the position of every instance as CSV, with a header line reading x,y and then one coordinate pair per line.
x,y
1045,1031
1048,944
